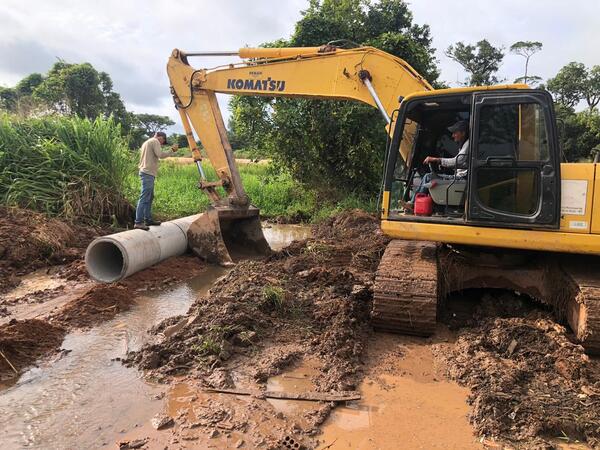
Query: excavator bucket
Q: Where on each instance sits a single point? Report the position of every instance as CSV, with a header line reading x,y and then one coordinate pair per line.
x,y
225,231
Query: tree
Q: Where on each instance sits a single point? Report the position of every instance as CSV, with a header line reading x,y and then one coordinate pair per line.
x,y
481,61
526,49
579,133
591,91
8,99
568,85
249,118
531,80
179,139
335,147
79,89
152,123
26,86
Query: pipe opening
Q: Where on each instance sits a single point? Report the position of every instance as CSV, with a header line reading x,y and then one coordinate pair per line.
x,y
104,261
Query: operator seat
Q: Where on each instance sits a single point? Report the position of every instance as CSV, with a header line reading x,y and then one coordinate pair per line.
x,y
448,192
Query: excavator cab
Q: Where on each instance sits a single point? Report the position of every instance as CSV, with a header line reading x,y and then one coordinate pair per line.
x,y
510,176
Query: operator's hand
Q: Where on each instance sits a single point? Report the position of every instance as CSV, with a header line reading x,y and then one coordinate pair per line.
x,y
431,159
174,148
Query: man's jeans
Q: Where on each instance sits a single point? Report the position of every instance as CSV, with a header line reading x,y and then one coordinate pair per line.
x,y
144,207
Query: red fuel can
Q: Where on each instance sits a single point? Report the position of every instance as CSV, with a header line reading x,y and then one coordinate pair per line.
x,y
423,205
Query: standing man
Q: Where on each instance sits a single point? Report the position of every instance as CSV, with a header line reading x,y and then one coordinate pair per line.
x,y
150,153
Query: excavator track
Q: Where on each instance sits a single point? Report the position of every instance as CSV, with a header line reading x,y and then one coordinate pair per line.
x,y
583,312
406,289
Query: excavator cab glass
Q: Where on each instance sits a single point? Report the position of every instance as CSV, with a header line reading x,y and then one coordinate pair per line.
x,y
424,131
510,175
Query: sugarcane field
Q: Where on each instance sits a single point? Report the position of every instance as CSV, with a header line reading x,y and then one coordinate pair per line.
x,y
324,224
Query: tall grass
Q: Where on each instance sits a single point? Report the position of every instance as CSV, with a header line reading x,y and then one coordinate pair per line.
x,y
68,167
277,195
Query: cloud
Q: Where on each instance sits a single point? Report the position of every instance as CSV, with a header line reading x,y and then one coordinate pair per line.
x,y
22,57
132,40
567,30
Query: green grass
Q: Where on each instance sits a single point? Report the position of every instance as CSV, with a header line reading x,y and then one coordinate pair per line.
x,y
276,195
68,167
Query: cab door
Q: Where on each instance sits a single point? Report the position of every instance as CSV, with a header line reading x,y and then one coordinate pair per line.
x,y
514,169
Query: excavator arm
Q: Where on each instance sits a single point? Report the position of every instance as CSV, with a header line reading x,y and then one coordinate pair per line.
x,y
363,74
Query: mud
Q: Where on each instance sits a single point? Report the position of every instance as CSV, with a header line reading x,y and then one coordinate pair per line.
x,y
298,321
530,384
22,342
30,240
312,297
90,304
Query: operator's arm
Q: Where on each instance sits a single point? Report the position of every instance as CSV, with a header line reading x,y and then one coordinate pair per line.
x,y
157,150
460,160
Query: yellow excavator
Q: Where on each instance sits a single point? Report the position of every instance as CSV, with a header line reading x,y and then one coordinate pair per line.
x,y
515,218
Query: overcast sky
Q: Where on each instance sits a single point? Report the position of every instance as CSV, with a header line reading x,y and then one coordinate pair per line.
x,y
131,40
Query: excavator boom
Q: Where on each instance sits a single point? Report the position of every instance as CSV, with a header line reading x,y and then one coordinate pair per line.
x,y
363,74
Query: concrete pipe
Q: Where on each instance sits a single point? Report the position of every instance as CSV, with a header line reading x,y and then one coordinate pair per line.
x,y
114,257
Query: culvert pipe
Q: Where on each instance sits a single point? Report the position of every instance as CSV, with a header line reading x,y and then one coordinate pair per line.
x,y
116,256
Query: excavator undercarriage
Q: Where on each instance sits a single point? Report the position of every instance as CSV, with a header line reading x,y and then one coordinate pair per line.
x,y
415,277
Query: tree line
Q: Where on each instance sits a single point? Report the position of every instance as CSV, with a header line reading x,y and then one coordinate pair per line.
x,y
79,90
335,147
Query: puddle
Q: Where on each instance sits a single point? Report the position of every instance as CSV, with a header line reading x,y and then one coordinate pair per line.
x,y
40,280
408,408
84,398
294,381
280,235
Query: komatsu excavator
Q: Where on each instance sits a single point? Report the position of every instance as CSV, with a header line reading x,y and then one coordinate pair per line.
x,y
517,218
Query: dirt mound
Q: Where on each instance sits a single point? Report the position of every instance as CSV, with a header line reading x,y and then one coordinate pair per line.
x,y
159,276
30,240
311,298
528,381
101,303
104,301
22,342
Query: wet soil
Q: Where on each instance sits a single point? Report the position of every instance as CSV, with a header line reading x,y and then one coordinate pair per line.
x,y
22,342
30,240
313,297
529,383
80,303
406,401
298,321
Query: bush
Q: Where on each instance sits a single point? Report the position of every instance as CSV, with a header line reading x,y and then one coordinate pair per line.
x,y
68,167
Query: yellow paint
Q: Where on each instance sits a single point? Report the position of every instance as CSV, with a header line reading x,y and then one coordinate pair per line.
x,y
555,241
579,171
465,90
291,72
596,201
385,204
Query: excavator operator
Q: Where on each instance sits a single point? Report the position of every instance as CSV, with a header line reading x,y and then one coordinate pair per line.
x,y
460,135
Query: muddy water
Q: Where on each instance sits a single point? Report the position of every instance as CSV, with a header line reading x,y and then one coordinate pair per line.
x,y
279,235
405,404
37,281
85,397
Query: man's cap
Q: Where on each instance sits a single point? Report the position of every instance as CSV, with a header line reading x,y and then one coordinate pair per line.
x,y
461,125
161,134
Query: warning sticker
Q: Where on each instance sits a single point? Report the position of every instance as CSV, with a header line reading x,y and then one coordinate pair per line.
x,y
573,197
